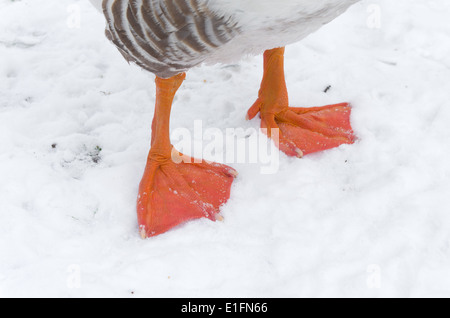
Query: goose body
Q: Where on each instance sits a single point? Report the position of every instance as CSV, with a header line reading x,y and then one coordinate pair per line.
x,y
168,37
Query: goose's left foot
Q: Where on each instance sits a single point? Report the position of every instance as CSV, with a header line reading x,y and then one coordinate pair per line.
x,y
297,131
176,188
301,131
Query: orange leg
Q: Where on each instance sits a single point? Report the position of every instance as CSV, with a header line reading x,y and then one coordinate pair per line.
x,y
301,130
174,189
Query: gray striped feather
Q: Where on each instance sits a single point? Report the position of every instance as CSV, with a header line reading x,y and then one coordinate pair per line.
x,y
166,37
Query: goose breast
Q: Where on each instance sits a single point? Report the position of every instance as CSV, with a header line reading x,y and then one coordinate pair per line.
x,y
167,37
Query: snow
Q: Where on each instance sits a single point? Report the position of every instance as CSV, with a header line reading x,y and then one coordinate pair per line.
x,y
366,220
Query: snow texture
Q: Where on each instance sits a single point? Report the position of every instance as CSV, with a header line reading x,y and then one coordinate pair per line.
x,y
367,220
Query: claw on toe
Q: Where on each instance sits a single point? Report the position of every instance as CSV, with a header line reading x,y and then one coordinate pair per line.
x,y
143,232
299,153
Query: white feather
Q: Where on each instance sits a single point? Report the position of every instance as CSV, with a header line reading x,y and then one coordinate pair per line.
x,y
97,4
266,24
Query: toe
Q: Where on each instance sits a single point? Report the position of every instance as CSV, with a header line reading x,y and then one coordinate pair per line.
x,y
254,110
270,127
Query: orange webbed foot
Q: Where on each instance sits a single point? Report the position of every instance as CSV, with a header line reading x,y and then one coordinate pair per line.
x,y
297,131
300,131
180,189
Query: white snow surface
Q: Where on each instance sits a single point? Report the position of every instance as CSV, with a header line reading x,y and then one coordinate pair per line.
x,y
365,220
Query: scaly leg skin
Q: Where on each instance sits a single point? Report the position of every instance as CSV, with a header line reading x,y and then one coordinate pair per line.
x,y
301,130
175,188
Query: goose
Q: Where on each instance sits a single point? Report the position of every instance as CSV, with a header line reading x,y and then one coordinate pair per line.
x,y
168,38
